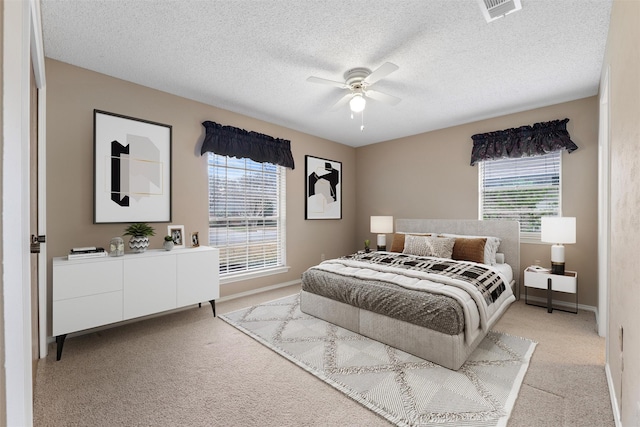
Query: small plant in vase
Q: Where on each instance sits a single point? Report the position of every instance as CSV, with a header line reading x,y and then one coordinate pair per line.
x,y
139,232
168,243
366,245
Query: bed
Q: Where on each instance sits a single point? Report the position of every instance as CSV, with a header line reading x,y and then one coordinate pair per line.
x,y
435,308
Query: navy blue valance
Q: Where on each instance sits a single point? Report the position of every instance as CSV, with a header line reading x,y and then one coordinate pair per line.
x,y
524,141
235,142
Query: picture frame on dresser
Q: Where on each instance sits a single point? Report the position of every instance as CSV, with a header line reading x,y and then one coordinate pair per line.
x,y
177,234
132,169
323,188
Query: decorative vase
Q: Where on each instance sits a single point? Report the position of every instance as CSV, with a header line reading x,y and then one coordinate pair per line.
x,y
116,247
167,245
139,244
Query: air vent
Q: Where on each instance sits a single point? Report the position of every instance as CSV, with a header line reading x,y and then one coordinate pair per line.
x,y
495,9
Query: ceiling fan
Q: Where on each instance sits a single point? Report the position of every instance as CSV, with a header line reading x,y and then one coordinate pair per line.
x,y
359,81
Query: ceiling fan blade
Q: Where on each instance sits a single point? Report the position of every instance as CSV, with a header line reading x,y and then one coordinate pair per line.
x,y
342,101
382,97
341,85
382,71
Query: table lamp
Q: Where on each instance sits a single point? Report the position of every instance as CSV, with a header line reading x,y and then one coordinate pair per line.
x,y
558,230
382,225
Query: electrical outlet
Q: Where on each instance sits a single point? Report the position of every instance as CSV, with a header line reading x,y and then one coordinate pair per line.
x,y
321,257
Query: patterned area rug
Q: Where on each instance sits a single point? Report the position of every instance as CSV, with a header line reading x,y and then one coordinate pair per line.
x,y
404,389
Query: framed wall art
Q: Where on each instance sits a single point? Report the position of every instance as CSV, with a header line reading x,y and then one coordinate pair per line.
x,y
323,188
177,234
132,169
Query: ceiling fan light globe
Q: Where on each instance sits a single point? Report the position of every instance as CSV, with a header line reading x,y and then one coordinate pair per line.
x,y
357,103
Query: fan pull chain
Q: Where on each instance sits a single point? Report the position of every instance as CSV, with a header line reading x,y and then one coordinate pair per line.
x,y
362,125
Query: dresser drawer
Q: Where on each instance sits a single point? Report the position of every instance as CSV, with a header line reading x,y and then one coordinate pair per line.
x,y
78,279
76,314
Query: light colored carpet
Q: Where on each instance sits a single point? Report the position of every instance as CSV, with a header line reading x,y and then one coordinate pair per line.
x,y
402,388
190,369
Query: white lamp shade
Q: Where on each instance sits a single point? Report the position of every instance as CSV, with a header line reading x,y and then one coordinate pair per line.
x,y
382,224
558,229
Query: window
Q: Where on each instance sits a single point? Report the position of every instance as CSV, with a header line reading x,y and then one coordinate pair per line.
x,y
246,214
523,189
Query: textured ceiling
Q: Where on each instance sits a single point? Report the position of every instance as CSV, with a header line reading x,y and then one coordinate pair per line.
x,y
253,57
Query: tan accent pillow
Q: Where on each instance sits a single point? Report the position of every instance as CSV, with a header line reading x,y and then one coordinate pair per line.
x,y
440,247
469,249
490,248
397,245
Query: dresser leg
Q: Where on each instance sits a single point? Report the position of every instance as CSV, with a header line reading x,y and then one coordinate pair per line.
x,y
213,306
59,344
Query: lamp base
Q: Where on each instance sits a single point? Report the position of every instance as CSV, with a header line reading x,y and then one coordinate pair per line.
x,y
557,268
382,248
557,259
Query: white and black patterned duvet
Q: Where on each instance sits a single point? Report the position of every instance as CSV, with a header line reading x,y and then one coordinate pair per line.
x,y
441,294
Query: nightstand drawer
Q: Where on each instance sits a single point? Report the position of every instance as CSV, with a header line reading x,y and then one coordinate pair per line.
x,y
566,283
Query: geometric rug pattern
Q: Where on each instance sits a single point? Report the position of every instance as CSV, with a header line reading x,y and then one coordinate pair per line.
x,y
404,389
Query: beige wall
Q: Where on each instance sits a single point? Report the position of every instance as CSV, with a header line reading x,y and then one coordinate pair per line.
x,y
428,176
72,95
623,58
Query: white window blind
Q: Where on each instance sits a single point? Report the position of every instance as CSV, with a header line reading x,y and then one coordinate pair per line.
x,y
523,189
246,214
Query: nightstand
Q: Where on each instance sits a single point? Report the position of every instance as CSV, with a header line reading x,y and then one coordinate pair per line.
x,y
567,283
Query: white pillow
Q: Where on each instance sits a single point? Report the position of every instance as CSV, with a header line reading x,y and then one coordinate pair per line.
x,y
440,247
490,248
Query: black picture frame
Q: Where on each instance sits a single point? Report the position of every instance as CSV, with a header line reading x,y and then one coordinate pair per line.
x,y
323,188
132,169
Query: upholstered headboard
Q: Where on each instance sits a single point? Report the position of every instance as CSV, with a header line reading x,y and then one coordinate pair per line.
x,y
507,231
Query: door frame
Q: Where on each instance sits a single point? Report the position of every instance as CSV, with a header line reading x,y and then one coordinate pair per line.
x,y
22,41
37,58
604,206
15,212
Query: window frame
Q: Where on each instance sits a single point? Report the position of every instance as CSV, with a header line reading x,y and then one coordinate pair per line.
x,y
227,276
525,236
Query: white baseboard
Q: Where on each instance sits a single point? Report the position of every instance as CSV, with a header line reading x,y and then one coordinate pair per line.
x,y
612,395
259,290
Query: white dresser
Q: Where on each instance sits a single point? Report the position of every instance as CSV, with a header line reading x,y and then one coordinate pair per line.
x,y
97,291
